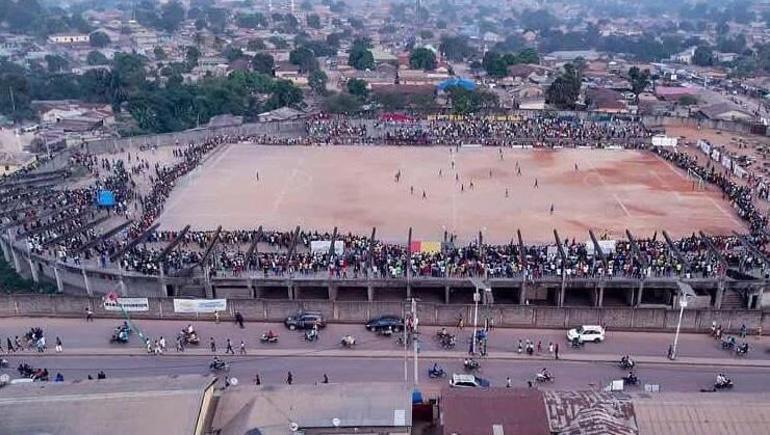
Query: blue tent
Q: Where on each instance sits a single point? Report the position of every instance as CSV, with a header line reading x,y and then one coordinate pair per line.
x,y
467,84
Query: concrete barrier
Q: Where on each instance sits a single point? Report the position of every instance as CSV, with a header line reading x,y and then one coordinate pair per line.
x,y
529,316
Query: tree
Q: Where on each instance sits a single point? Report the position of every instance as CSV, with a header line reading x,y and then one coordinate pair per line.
x,y
358,88
333,39
317,82
171,16
278,42
251,21
426,34
342,103
639,80
304,58
494,64
99,39
529,56
422,58
232,53
465,101
56,63
263,63
703,56
284,93
314,21
360,57
216,18
159,53
96,58
455,48
255,44
191,56
356,23
688,100
565,90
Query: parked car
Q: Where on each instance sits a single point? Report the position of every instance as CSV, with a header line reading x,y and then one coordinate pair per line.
x,y
592,333
304,320
383,323
465,381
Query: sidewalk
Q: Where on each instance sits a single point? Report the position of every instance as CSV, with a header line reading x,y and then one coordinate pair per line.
x,y
265,352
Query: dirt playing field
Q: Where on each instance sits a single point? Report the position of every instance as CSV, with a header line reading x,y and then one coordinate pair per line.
x,y
354,188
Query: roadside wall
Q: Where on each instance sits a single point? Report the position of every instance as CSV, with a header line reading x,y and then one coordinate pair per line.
x,y
647,319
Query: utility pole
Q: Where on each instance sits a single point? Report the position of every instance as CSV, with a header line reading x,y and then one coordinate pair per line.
x,y
414,341
476,298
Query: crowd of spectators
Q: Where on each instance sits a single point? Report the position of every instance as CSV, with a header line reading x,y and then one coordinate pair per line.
x,y
278,253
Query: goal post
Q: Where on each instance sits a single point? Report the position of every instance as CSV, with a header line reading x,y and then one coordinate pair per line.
x,y
697,181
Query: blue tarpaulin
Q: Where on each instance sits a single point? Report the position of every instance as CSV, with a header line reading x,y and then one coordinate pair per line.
x,y
106,198
462,82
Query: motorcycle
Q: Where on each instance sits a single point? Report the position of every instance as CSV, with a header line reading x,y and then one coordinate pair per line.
x,y
3,363
269,338
471,365
576,343
219,366
120,334
311,335
742,350
543,377
348,341
726,384
25,370
40,375
448,341
728,343
626,363
631,379
190,338
436,372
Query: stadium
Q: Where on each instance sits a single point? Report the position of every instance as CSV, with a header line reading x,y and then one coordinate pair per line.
x,y
351,216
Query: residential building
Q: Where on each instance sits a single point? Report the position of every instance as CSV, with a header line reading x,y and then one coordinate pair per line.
x,y
472,411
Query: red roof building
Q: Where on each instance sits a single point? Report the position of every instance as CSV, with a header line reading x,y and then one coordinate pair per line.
x,y
485,411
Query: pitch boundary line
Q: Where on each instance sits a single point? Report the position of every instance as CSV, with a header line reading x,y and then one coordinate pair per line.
x,y
620,203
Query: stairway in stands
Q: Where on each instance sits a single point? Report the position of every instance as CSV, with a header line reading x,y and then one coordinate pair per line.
x,y
733,301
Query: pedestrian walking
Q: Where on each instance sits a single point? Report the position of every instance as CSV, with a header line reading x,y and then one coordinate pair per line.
x,y
89,315
17,343
216,317
519,347
551,209
508,382
227,382
556,351
212,344
9,345
158,350
239,319
539,346
179,344
743,330
257,175
162,343
506,193
423,195
289,378
411,190
326,379
257,380
58,345
550,347
229,348
242,347
460,323
536,185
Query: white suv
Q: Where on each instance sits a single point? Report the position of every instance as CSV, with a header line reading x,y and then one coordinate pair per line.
x,y
594,333
467,381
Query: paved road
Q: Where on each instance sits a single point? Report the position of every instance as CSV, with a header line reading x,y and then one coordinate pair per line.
x,y
94,336
87,351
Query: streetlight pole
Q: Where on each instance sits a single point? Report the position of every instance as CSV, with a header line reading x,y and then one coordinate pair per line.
x,y
476,298
682,306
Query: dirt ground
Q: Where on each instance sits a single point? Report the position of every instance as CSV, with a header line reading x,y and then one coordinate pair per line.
x,y
354,188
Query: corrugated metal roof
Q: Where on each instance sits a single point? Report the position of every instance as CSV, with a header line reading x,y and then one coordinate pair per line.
x,y
477,411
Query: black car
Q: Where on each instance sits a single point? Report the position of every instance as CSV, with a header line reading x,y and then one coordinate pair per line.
x,y
304,320
383,323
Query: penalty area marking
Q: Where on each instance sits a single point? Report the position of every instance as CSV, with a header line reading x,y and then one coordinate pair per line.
x,y
620,203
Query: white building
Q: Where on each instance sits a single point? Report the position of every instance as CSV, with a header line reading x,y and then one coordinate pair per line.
x,y
68,38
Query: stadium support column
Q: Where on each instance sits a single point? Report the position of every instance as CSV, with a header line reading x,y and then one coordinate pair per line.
x,y
370,293
16,264
563,257
447,293
59,282
87,282
33,269
162,280
409,265
523,261
5,244
720,293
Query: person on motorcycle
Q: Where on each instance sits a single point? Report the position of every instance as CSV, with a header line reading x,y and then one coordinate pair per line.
x,y
435,369
312,333
216,363
189,330
443,332
545,373
721,380
270,334
631,378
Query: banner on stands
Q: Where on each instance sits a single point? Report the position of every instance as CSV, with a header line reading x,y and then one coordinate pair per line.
x,y
126,304
199,305
322,246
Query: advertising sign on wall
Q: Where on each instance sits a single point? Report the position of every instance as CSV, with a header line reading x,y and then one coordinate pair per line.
x,y
199,305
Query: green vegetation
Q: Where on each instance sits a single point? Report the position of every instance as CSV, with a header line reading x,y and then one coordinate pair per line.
x,y
565,90
422,58
12,282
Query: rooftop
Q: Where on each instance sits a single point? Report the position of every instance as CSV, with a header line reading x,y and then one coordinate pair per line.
x,y
471,411
270,410
148,406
